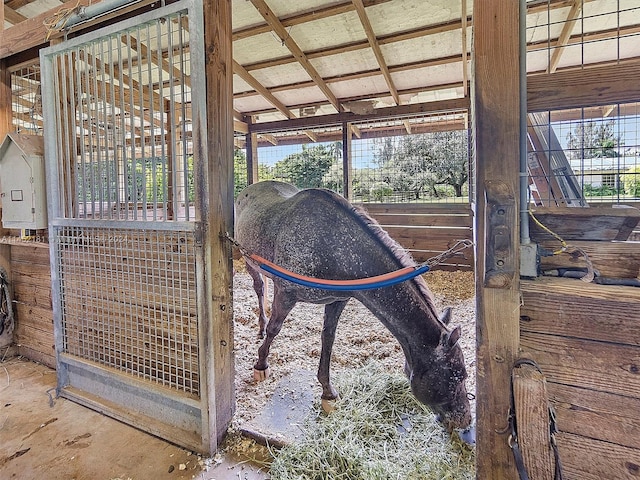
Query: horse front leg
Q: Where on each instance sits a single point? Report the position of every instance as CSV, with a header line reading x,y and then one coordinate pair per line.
x,y
332,313
280,308
259,287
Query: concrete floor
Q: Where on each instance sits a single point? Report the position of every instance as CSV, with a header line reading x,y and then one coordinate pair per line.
x,y
42,437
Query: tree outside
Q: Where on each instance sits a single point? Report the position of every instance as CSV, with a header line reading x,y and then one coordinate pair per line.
x,y
631,181
593,140
422,163
307,168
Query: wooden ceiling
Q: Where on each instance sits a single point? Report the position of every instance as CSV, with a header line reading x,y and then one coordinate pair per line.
x,y
335,59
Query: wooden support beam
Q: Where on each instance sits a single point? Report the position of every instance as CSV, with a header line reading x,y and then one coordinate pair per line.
x,y
217,218
312,135
261,89
269,138
454,104
600,85
495,110
465,64
567,28
13,17
297,52
347,164
375,46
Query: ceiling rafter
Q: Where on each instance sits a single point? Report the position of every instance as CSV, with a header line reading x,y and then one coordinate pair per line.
x,y
261,89
371,96
463,31
315,14
13,17
354,46
159,60
114,72
565,35
358,75
293,47
538,6
373,43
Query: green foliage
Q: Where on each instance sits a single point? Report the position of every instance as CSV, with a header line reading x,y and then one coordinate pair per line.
x,y
631,181
380,190
601,191
420,163
307,168
593,139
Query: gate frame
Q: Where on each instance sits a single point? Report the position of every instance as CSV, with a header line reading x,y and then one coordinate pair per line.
x,y
197,424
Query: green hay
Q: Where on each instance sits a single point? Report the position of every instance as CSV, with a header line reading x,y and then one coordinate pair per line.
x,y
378,431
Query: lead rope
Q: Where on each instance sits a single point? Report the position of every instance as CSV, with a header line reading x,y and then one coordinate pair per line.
x,y
6,306
513,427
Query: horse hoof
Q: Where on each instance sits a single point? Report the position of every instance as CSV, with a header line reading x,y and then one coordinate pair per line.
x,y
261,375
329,405
468,435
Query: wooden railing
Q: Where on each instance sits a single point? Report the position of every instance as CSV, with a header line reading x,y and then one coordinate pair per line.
x,y
427,230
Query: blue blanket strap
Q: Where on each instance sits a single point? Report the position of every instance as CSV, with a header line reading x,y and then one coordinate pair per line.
x,y
352,286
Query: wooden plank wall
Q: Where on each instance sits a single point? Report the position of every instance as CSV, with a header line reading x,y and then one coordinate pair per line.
x,y
31,282
427,230
585,337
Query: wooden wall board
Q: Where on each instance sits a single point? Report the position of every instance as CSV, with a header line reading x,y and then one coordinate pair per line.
x,y
573,308
427,230
582,223
596,365
611,259
590,459
584,337
31,340
575,88
592,414
31,281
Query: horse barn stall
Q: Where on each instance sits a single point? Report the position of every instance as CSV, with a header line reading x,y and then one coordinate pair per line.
x,y
531,128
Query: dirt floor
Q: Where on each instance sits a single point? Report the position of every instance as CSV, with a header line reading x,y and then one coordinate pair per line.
x,y
44,437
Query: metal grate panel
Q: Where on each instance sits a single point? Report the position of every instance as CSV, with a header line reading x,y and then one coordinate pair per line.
x,y
129,302
126,121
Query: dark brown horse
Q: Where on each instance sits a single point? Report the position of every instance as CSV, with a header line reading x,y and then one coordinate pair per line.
x,y
317,233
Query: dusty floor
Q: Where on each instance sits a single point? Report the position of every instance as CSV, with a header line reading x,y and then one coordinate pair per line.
x,y
48,438
64,441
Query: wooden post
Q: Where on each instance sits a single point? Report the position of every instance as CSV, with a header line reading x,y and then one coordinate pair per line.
x,y
495,117
346,161
218,214
5,127
252,158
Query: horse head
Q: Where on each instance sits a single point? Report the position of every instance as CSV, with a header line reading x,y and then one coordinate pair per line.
x,y
437,378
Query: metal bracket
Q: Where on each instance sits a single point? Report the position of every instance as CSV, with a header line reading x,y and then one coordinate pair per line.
x,y
500,221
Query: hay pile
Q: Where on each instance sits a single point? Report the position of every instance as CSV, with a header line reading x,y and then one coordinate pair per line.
x,y
378,431
361,340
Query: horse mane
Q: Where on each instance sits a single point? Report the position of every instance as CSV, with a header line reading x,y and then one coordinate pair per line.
x,y
401,254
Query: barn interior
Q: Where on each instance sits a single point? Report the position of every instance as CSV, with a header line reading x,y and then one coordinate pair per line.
x,y
127,114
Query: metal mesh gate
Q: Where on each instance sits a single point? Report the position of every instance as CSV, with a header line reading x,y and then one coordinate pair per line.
x,y
127,260
129,302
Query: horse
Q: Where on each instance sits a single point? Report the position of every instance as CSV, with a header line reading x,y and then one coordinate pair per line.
x,y
317,233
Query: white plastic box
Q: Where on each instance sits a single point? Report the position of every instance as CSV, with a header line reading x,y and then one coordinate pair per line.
x,y
22,182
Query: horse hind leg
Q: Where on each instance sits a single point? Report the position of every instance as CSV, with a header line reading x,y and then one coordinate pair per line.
x,y
260,288
282,305
332,313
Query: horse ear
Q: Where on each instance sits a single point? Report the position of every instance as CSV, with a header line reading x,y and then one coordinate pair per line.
x,y
454,336
445,316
